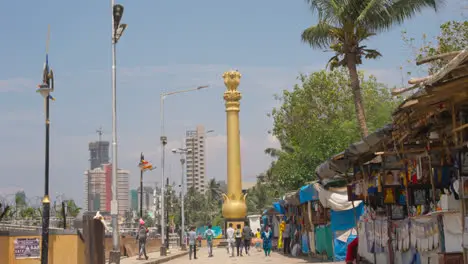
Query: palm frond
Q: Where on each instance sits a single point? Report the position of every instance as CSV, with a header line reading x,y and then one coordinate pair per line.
x,y
385,14
371,53
333,62
318,36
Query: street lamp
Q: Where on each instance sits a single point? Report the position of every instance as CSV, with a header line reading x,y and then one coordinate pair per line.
x,y
45,89
117,31
163,139
182,152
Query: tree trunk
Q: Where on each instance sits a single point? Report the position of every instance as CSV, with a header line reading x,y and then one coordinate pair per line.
x,y
356,88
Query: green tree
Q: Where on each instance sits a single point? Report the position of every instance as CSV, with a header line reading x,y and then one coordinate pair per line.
x,y
72,209
28,213
213,191
453,36
343,26
260,197
149,221
316,120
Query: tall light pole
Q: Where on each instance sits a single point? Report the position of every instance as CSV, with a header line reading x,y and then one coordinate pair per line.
x,y
45,89
117,31
183,152
163,139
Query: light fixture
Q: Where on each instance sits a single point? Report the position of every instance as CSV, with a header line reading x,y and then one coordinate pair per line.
x,y
118,13
119,31
44,90
379,153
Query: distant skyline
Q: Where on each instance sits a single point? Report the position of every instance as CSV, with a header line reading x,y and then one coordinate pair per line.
x,y
168,45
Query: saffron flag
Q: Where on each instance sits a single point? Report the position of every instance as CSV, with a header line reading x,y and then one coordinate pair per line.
x,y
144,164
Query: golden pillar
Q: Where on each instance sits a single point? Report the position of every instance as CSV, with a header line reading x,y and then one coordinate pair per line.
x,y
234,206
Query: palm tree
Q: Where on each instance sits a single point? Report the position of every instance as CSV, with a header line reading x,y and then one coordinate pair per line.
x,y
214,190
344,24
259,199
72,209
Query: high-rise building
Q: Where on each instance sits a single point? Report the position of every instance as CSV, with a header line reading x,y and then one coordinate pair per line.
x,y
98,189
134,200
98,153
196,159
147,199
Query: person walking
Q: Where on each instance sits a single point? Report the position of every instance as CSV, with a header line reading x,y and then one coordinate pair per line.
x,y
230,239
247,235
141,238
238,236
266,237
258,234
287,239
209,234
192,236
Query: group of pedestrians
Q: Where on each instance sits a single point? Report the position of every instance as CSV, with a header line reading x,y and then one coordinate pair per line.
x,y
241,239
193,239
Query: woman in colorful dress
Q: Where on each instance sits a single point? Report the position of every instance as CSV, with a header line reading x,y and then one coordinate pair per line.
x,y
266,237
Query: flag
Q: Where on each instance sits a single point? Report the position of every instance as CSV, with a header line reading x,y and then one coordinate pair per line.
x,y
144,164
51,97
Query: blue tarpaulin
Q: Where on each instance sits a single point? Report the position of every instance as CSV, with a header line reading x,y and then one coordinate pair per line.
x,y
341,247
278,208
344,220
308,193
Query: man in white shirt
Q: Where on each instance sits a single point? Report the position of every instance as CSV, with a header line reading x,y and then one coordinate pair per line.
x,y
230,239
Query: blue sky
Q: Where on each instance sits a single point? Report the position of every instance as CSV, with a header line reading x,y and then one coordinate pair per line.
x,y
168,45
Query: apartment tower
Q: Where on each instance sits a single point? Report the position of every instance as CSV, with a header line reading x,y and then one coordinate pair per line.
x,y
196,159
98,189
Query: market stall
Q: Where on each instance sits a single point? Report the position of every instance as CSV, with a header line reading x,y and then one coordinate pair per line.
x,y
412,183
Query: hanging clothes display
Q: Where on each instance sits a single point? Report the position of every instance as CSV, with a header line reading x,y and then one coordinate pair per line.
x,y
453,233
282,227
424,234
323,240
402,235
305,243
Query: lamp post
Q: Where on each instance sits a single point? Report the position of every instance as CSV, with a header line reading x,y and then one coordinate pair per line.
x,y
45,89
163,139
117,31
182,152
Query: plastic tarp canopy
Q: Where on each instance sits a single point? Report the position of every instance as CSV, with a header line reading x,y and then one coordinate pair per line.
x,y
332,167
292,198
278,208
335,200
344,220
341,243
366,148
307,193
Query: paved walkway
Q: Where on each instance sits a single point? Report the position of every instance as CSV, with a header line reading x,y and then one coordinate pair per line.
x,y
221,257
155,258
